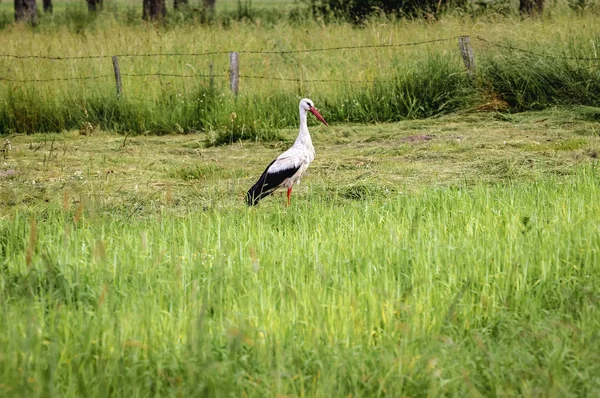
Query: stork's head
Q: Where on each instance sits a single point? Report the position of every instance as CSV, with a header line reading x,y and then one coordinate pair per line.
x,y
308,105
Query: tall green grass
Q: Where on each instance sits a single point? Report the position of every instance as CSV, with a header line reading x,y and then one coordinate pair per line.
x,y
488,290
528,82
433,87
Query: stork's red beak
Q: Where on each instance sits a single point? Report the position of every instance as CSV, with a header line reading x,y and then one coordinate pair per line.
x,y
315,112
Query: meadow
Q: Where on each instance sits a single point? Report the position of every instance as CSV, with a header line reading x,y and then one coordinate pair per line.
x,y
445,242
449,256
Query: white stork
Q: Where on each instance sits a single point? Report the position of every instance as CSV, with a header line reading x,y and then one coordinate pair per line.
x,y
288,168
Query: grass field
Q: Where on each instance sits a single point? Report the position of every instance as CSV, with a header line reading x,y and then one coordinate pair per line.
x,y
450,256
445,242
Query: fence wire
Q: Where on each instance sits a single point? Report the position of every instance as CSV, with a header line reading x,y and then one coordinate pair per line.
x,y
284,79
298,80
104,76
259,52
220,52
54,79
283,52
534,53
166,75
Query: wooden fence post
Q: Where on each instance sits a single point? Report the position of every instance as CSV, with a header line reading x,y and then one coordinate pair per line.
x,y
117,76
234,72
211,77
467,54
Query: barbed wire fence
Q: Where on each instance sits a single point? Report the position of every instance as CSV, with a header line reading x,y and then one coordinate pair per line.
x,y
464,44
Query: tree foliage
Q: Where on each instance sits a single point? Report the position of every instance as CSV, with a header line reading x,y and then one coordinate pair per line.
x,y
359,10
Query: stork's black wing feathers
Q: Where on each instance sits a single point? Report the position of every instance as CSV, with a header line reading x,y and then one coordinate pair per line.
x,y
267,183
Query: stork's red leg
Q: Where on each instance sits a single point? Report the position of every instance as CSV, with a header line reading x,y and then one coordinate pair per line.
x,y
289,193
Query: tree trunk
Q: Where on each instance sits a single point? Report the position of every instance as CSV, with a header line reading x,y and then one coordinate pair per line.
x,y
179,3
154,10
94,5
48,6
531,7
26,11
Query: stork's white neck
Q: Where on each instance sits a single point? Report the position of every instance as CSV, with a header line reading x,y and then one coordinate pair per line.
x,y
303,135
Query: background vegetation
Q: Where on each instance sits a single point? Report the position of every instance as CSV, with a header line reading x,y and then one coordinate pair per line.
x,y
557,64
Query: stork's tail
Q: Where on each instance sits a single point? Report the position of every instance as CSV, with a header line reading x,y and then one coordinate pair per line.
x,y
261,189
251,197
256,193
